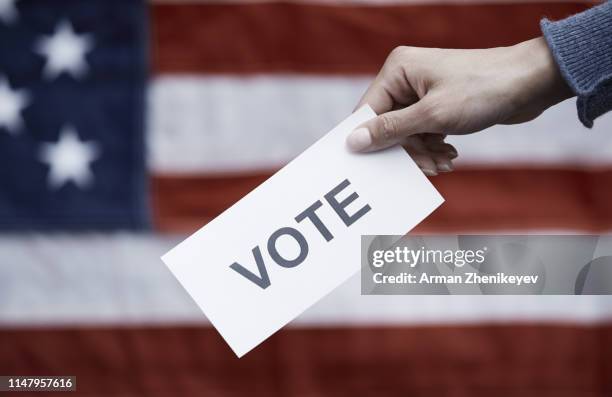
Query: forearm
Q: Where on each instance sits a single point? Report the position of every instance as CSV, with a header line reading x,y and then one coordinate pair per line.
x,y
582,47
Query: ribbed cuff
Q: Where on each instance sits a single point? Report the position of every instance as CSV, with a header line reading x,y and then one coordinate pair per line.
x,y
582,47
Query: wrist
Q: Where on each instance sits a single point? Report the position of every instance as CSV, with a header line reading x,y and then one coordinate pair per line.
x,y
542,81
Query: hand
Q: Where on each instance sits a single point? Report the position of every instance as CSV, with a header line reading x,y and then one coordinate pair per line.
x,y
444,91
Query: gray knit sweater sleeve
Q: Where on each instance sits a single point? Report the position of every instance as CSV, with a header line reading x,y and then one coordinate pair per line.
x,y
582,47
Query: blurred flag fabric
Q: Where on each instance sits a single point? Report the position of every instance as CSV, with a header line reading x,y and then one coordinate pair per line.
x,y
125,125
71,124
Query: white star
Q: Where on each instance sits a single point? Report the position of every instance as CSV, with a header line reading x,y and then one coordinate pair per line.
x,y
65,52
69,159
8,11
12,103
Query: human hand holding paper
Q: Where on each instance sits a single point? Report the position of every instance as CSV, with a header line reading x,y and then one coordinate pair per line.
x,y
297,236
421,94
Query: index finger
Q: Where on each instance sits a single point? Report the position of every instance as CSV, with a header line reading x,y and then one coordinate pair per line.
x,y
377,96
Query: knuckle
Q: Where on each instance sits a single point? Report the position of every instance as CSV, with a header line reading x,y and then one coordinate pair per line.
x,y
397,61
389,128
397,56
399,51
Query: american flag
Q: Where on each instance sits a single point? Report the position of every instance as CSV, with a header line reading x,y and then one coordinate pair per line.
x,y
72,95
125,125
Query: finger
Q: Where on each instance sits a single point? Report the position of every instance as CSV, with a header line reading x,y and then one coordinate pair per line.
x,y
414,143
390,90
379,99
429,144
443,148
443,163
431,138
389,129
434,143
425,163
415,148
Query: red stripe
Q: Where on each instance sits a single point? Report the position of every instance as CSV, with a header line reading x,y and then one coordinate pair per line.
x,y
315,38
512,360
476,200
184,204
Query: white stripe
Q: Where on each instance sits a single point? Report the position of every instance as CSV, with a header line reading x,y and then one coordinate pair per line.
x,y
232,124
119,279
212,124
555,138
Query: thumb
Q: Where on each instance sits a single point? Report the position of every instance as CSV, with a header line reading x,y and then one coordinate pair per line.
x,y
390,128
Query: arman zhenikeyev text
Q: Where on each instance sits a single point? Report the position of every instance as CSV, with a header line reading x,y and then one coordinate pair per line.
x,y
466,278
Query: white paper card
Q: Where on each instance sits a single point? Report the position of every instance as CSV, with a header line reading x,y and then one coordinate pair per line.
x,y
299,262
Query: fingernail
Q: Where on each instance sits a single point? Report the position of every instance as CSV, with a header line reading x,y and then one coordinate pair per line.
x,y
444,167
359,140
429,172
444,149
